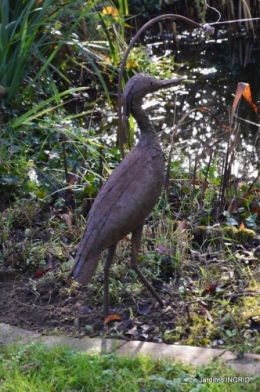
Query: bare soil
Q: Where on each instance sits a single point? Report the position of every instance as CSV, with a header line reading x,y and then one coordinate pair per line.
x,y
56,308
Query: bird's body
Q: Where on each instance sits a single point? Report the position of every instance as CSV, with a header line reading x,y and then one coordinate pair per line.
x,y
129,194
122,204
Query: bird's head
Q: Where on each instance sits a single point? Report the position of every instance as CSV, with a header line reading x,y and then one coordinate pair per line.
x,y
139,86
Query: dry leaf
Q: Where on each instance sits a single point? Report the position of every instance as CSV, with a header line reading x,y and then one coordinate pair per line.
x,y
247,95
243,89
68,221
112,317
41,273
209,317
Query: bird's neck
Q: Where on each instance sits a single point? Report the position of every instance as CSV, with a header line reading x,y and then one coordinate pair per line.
x,y
144,123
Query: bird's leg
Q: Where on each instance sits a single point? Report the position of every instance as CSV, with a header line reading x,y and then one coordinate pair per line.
x,y
136,242
109,259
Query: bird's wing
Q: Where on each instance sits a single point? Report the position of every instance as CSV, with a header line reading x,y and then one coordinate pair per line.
x,y
122,204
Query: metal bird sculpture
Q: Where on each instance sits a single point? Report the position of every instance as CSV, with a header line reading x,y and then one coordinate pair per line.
x,y
129,194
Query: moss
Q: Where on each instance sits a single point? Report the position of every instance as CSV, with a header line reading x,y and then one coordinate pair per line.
x,y
206,233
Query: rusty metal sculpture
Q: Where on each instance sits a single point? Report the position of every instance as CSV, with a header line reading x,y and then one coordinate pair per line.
x,y
129,194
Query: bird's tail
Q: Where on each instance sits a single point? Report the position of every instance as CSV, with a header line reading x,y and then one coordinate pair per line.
x,y
83,270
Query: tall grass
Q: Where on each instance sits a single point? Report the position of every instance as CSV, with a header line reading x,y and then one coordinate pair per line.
x,y
42,41
19,28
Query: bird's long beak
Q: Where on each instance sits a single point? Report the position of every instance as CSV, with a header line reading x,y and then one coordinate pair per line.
x,y
170,82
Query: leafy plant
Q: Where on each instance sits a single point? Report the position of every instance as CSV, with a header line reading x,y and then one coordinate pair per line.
x,y
38,42
20,24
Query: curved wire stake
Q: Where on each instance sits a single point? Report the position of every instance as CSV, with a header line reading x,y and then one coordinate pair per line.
x,y
213,8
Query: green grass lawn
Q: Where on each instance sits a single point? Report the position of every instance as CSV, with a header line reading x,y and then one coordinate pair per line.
x,y
37,368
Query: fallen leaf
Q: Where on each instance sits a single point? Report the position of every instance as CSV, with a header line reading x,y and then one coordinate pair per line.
x,y
209,317
132,331
210,289
148,328
40,273
85,310
68,221
182,225
145,307
125,324
112,317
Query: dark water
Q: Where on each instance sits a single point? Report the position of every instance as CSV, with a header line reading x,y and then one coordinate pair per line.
x,y
215,66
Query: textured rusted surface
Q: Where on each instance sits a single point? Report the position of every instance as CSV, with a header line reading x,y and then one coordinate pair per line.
x,y
131,191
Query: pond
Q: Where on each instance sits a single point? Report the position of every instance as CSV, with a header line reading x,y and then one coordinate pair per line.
x,y
213,67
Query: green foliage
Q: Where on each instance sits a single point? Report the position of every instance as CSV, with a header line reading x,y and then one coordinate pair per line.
x,y
201,9
45,49
146,7
39,45
38,368
14,167
20,41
